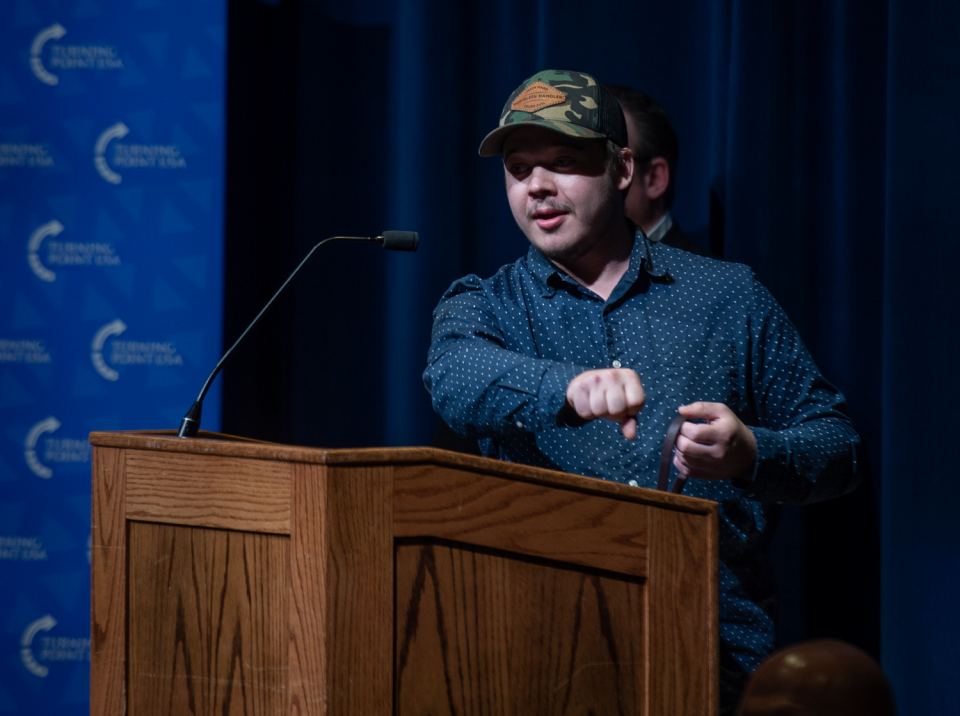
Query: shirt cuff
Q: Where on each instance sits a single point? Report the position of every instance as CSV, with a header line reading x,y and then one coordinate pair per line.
x,y
768,481
553,392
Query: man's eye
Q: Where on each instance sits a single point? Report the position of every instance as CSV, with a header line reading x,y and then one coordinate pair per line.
x,y
563,162
517,169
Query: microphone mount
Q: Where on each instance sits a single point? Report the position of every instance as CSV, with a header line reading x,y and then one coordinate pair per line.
x,y
391,240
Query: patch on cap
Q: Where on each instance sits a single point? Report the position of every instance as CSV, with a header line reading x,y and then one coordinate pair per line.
x,y
537,96
571,103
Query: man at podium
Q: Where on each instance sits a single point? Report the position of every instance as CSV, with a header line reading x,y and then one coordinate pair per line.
x,y
597,322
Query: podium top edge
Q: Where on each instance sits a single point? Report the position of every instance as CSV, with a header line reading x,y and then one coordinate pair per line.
x,y
216,444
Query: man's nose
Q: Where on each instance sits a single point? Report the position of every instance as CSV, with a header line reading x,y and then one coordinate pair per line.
x,y
541,183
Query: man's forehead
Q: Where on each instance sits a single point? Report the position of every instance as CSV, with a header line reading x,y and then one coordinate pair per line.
x,y
534,138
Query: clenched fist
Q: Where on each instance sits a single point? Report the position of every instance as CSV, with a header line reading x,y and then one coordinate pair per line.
x,y
612,393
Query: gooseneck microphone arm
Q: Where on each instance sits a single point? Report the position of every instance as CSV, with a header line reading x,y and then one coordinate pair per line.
x,y
392,240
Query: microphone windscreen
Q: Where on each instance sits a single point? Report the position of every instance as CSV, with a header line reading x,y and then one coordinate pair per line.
x,y
401,240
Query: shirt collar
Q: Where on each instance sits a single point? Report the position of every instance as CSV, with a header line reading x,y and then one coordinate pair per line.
x,y
544,271
638,256
661,228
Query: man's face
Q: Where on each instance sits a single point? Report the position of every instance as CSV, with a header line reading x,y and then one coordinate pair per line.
x,y
560,191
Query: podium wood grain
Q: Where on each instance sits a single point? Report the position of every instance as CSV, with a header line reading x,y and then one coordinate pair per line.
x,y
208,491
523,517
359,617
207,621
108,598
234,577
308,593
481,633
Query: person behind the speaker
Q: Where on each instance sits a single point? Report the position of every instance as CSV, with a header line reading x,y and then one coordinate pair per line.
x,y
656,153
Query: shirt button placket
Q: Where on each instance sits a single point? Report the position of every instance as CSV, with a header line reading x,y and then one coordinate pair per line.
x,y
611,347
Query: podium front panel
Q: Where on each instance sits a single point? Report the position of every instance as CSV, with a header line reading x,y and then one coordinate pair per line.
x,y
482,632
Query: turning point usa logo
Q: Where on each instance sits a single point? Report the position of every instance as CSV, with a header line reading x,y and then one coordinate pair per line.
x,y
132,156
65,253
25,154
68,57
34,651
128,353
55,450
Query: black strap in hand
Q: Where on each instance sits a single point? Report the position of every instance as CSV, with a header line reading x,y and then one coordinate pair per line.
x,y
666,456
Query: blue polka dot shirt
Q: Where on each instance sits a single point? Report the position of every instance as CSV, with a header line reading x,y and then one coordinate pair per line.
x,y
504,349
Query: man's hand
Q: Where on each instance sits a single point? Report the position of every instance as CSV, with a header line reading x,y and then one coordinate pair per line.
x,y
612,393
722,448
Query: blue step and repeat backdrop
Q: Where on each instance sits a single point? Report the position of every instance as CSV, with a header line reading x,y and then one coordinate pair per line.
x,y
111,239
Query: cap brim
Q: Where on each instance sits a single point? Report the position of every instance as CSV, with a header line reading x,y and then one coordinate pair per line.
x,y
492,144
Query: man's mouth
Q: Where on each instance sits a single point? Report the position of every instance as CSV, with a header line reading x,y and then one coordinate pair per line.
x,y
548,218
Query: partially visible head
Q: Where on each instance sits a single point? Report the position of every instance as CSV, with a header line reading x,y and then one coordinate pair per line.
x,y
825,677
563,140
656,150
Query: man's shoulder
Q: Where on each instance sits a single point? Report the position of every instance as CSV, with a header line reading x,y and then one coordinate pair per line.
x,y
502,284
704,279
679,259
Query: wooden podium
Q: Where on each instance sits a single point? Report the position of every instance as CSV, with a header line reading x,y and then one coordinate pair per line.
x,y
237,577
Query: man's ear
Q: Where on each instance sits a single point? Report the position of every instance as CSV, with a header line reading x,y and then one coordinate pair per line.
x,y
626,171
657,178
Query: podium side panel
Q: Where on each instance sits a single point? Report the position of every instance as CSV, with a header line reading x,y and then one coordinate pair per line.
x,y
683,613
108,599
207,621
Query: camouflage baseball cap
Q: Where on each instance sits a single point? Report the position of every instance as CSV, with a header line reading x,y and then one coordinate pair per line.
x,y
571,103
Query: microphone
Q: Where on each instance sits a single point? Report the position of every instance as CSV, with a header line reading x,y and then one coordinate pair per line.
x,y
390,240
399,240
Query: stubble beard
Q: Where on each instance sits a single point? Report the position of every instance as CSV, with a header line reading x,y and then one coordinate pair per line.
x,y
565,255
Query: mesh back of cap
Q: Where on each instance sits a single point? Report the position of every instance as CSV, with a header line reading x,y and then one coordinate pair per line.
x,y
610,118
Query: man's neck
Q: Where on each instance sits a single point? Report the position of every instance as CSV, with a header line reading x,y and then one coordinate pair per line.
x,y
601,269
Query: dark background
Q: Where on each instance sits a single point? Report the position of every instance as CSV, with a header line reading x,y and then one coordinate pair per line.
x,y
819,145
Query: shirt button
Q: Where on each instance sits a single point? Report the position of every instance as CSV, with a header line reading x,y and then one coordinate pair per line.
x,y
520,424
616,364
632,483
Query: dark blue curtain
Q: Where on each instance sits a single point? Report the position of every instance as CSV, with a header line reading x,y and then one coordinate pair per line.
x,y
921,318
817,142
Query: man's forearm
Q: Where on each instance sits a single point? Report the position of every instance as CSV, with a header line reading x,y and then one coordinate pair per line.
x,y
483,390
815,461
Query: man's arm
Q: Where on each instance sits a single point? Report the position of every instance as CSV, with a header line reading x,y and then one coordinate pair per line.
x,y
801,448
478,386
481,388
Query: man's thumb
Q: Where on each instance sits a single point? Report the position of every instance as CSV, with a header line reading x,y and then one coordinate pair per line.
x,y
700,409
